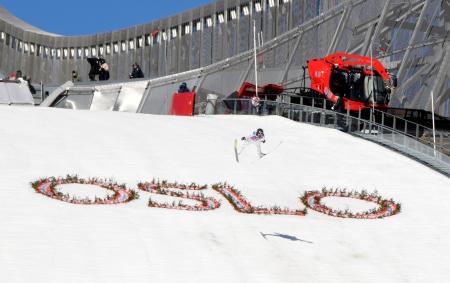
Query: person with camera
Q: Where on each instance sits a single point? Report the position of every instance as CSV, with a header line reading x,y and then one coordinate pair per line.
x,y
136,72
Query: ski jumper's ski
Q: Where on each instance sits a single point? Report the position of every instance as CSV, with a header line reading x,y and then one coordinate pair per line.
x,y
236,154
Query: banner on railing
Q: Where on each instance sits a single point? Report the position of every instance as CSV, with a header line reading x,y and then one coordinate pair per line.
x,y
183,104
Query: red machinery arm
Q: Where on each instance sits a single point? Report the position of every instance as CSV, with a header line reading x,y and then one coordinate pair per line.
x,y
349,60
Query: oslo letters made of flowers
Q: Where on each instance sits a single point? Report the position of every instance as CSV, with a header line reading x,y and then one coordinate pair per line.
x,y
193,192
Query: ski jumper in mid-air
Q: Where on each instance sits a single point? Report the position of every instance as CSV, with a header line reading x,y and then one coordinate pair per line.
x,y
256,138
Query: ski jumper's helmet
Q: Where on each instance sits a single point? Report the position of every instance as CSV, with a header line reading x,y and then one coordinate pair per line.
x,y
259,132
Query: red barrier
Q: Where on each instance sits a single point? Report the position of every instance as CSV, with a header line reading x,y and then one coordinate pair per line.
x,y
183,104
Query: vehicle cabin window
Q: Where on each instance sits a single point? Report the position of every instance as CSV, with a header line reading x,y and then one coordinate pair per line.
x,y
339,82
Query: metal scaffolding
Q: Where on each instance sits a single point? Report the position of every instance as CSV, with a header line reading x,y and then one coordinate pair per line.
x,y
410,37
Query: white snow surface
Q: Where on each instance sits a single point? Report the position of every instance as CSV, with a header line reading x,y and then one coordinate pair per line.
x,y
45,240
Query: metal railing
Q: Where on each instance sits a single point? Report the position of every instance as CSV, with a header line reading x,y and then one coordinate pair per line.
x,y
411,129
404,136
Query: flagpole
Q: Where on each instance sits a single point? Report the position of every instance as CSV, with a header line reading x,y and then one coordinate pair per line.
x,y
371,83
256,63
373,73
434,125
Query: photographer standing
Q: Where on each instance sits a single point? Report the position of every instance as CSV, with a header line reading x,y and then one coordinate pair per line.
x,y
95,67
136,72
104,70
98,67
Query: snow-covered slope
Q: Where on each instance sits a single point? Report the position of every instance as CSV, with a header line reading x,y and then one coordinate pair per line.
x,y
45,240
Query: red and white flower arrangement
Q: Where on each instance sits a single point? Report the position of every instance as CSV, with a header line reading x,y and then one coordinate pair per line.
x,y
49,187
239,203
386,208
164,188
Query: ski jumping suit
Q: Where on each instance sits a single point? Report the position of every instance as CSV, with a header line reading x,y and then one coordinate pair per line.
x,y
253,139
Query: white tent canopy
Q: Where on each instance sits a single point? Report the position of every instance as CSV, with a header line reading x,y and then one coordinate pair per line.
x,y
15,93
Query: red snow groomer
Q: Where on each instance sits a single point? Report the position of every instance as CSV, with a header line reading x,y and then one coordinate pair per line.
x,y
360,81
239,100
267,91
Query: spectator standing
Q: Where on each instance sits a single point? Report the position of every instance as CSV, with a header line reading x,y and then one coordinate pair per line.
x,y
136,72
183,88
30,86
95,67
104,70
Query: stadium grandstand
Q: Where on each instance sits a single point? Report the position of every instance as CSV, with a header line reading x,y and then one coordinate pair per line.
x,y
210,48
